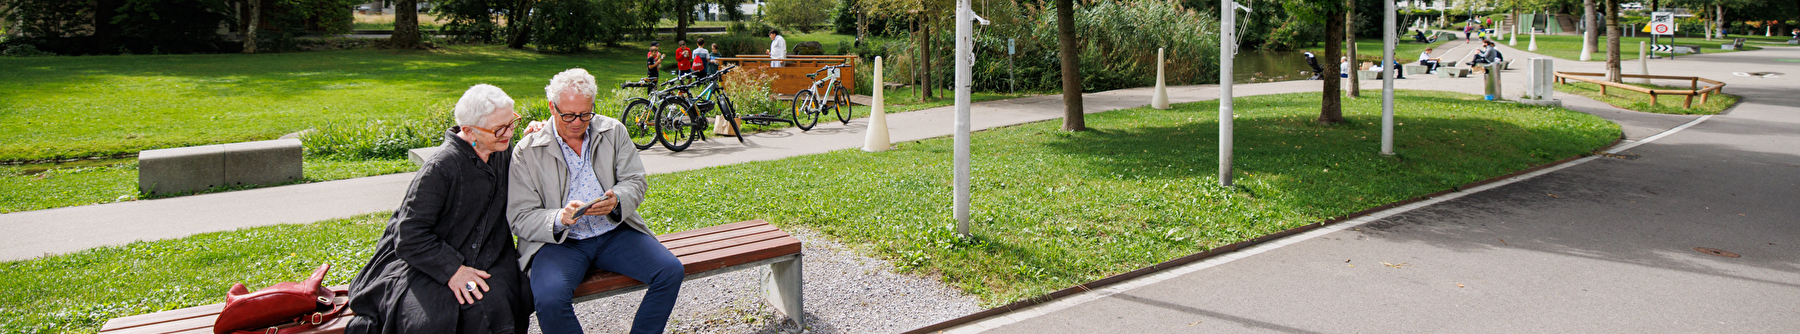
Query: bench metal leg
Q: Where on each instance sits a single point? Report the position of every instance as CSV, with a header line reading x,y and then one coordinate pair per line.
x,y
782,289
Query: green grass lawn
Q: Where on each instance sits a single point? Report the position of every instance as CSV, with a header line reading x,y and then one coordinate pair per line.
x,y
73,107
1665,104
1051,208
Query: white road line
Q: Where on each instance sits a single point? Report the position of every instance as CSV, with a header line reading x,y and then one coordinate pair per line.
x,y
1121,287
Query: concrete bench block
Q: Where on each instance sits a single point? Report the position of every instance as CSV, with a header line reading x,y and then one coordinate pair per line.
x,y
263,162
419,155
1368,75
1416,69
1451,72
181,169
196,168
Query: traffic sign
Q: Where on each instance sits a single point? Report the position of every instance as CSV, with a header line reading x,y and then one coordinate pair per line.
x,y
1662,23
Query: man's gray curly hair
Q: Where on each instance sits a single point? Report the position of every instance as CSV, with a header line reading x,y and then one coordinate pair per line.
x,y
479,102
574,80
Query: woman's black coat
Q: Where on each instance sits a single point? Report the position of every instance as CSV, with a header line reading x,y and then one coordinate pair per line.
x,y
453,215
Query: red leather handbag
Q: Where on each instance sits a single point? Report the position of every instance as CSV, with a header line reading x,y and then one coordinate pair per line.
x,y
283,308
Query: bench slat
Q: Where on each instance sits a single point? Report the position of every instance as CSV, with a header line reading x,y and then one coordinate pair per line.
x,y
161,317
709,230
726,257
724,243
700,240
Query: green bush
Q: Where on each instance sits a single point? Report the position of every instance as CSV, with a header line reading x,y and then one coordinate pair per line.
x,y
799,15
24,50
1119,42
570,25
470,20
379,139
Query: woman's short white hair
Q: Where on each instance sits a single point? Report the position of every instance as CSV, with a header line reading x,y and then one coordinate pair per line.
x,y
574,80
479,102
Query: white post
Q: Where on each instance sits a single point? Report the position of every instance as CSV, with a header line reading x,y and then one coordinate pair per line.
x,y
1514,41
877,138
1160,99
964,30
1387,79
1227,27
1533,46
1643,61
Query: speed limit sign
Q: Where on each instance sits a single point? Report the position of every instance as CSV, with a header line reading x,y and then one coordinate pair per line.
x,y
1662,23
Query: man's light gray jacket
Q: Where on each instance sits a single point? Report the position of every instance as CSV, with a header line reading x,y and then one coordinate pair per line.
x,y
540,180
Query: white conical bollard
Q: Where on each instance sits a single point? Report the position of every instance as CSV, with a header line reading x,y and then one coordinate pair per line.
x,y
876,139
1160,99
1533,46
1514,41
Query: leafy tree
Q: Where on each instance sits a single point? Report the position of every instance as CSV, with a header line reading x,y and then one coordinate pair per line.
x,y
471,20
800,15
1332,14
570,25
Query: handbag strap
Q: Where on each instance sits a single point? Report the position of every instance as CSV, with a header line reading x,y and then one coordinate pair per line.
x,y
306,322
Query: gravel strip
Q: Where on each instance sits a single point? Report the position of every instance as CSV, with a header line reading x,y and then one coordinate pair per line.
x,y
845,293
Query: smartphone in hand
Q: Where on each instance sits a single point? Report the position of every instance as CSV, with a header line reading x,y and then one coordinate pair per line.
x,y
584,209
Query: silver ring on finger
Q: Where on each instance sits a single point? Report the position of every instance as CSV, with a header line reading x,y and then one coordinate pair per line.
x,y
470,286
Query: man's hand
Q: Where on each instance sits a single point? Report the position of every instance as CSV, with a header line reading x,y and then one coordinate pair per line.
x,y
459,284
534,126
604,207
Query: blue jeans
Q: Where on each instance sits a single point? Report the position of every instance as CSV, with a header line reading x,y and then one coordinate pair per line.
x,y
558,268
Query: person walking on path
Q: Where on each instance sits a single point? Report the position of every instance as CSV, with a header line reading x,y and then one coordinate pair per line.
x,y
556,174
446,263
777,48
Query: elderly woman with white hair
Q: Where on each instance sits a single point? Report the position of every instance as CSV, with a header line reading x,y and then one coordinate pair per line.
x,y
446,263
584,159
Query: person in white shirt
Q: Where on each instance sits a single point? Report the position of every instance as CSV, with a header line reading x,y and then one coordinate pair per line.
x,y
777,47
1344,67
1431,64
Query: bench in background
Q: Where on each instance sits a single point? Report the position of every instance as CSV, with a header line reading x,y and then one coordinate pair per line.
x,y
185,169
704,252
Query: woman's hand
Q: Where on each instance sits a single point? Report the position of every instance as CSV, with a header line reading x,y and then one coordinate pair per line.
x,y
468,284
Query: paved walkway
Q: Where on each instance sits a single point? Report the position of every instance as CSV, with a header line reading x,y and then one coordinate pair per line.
x,y
1601,245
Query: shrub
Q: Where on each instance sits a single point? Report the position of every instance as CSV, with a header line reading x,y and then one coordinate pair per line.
x,y
470,20
380,139
800,15
570,25
749,89
24,50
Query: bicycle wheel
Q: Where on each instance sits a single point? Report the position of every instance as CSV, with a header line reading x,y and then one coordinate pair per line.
x,y
806,110
640,123
845,112
729,111
677,124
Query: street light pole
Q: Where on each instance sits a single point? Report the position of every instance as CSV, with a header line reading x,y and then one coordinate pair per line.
x,y
1227,49
965,30
1387,80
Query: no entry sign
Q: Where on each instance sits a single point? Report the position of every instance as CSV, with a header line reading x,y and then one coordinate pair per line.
x,y
1662,23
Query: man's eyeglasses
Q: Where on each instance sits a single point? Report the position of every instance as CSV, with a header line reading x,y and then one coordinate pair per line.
x,y
571,117
506,129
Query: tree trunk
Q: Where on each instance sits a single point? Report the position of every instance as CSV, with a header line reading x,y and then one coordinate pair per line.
x,y
1720,20
1330,99
1073,118
406,25
682,12
520,23
1612,41
926,89
1588,20
1350,44
250,29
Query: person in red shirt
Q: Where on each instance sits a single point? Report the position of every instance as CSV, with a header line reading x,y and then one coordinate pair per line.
x,y
683,58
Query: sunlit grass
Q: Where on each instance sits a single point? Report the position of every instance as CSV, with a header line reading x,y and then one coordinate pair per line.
x,y
1665,104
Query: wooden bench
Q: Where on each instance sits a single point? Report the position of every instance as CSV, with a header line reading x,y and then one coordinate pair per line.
x,y
704,252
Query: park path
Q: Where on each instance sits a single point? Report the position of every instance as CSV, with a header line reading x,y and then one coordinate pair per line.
x,y
62,230
1604,244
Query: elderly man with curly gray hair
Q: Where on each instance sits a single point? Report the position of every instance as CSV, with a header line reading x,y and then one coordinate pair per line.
x,y
584,158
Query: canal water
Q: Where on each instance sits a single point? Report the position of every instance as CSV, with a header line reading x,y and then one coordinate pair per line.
x,y
1270,66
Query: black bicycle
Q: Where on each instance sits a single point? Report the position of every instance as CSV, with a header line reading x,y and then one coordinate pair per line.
x,y
664,116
